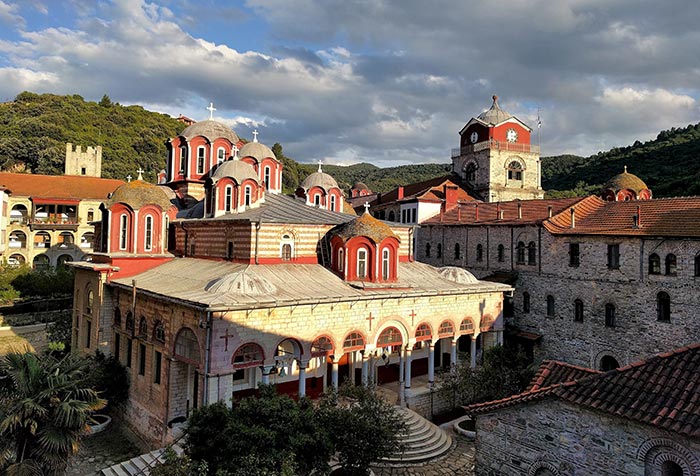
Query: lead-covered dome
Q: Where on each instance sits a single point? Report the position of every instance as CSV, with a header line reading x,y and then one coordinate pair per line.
x,y
625,180
494,115
241,283
212,130
365,225
139,193
319,179
457,275
237,170
256,150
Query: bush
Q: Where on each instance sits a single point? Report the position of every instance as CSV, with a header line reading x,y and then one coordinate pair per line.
x,y
109,377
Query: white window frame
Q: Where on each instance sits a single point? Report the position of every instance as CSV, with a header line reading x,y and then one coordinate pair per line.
x,y
248,195
228,198
266,175
341,259
201,158
123,231
386,263
220,155
317,200
364,260
333,203
148,233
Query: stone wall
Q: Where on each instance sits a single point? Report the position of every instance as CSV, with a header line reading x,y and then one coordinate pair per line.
x,y
570,440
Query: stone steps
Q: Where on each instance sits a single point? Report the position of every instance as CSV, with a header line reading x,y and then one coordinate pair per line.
x,y
139,465
422,440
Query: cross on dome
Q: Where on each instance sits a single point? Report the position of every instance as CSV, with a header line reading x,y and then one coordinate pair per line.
x,y
140,172
128,178
320,162
255,135
211,110
366,205
234,149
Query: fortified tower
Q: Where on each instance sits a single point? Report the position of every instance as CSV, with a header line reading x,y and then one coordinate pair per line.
x,y
87,162
496,159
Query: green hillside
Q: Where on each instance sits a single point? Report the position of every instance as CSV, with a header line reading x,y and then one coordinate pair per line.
x,y
668,165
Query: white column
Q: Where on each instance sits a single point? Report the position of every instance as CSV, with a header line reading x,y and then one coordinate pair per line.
x,y
499,337
402,392
472,364
453,349
266,371
431,363
334,374
365,369
407,383
302,377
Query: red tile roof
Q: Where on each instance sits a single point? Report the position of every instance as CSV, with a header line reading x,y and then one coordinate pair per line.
x,y
533,212
662,391
58,186
430,189
658,217
552,372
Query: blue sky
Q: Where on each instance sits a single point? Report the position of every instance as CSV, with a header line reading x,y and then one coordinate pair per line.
x,y
387,82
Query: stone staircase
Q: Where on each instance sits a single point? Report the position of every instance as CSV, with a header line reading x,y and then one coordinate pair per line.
x,y
423,441
139,465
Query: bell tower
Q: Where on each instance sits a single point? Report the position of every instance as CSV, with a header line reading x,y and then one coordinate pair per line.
x,y
496,159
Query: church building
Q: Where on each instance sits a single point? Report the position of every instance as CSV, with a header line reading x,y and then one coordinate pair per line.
x,y
215,282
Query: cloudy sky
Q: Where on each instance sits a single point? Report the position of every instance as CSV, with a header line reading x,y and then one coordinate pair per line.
x,y
386,82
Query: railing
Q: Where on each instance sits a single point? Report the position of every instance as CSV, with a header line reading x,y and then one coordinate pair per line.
x,y
19,220
17,244
495,144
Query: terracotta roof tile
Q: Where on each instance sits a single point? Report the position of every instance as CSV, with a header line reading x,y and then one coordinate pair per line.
x,y
662,391
58,186
533,211
427,189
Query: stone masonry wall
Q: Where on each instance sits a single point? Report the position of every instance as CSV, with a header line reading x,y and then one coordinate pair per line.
x,y
570,441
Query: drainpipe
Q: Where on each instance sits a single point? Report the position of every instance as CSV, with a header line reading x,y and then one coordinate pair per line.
x,y
257,240
207,360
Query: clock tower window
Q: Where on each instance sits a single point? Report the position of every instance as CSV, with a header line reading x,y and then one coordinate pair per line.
x,y
515,171
470,172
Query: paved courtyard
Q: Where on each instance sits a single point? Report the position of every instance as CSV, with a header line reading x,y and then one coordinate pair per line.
x,y
102,450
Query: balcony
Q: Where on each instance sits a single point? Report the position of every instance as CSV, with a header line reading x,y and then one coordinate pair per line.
x,y
497,145
54,222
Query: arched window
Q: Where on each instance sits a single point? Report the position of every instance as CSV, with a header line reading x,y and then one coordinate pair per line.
x,y
389,337
427,250
446,329
341,259
531,253
501,253
321,347
479,252
663,307
609,315
266,178
654,264
333,204
248,196
392,215
385,263
423,332
143,327
186,346
286,252
671,264
470,172
159,332
578,310
247,356
515,171
361,263
608,363
90,302
183,159
520,253
439,250
117,317
123,231
201,152
90,214
526,302
129,321
550,306
466,326
148,234
220,155
228,198
458,253
317,200
353,341
671,468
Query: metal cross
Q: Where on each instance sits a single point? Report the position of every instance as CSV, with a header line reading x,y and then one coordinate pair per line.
x,y
370,319
255,135
226,337
366,205
140,171
211,110
412,314
320,162
234,149
128,178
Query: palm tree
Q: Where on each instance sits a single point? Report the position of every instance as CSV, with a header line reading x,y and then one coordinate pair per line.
x,y
44,410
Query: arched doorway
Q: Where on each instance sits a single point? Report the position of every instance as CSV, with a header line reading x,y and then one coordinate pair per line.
x,y
62,260
245,362
443,346
350,364
184,374
41,263
389,345
16,260
321,352
288,354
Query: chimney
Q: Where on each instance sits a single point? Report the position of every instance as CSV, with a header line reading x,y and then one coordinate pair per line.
x,y
400,193
459,212
451,192
379,197
573,218
500,214
549,211
498,210
639,216
476,212
520,211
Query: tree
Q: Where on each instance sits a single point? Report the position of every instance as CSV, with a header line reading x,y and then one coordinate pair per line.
x,y
44,409
105,101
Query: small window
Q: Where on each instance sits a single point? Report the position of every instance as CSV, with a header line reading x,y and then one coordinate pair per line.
x,y
90,215
143,327
501,253
129,351
578,310
228,198
88,333
663,307
333,204
458,253
479,253
361,263
129,321
248,195
470,173
515,171
614,256
286,252
142,359
427,250
385,264
90,302
574,254
267,178
123,231
117,346
526,302
392,215
531,253
608,363
439,250
229,250
550,306
220,155
341,259
654,264
520,253
317,200
157,366
148,234
183,159
609,315
670,264
201,151
413,215
159,332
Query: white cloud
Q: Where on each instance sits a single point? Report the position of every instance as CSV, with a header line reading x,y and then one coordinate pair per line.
x,y
9,14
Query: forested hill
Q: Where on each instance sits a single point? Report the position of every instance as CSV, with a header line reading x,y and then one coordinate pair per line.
x,y
668,164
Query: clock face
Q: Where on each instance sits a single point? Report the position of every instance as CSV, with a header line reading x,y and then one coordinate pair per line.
x,y
474,137
511,135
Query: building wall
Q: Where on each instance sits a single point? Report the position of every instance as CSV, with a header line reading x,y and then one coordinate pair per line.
x,y
86,162
570,441
637,332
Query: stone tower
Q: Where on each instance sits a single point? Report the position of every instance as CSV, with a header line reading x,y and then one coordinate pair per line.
x,y
87,162
496,159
